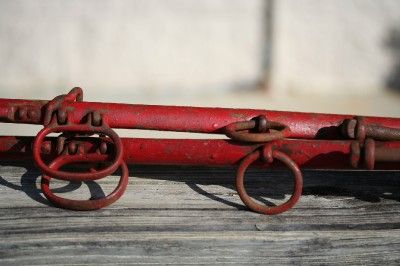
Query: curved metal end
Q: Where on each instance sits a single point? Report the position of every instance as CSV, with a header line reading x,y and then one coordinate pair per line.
x,y
76,94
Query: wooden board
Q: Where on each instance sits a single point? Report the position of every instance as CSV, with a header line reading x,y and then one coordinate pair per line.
x,y
175,215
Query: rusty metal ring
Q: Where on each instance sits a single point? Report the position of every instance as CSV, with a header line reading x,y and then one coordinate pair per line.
x,y
256,207
83,205
239,131
81,128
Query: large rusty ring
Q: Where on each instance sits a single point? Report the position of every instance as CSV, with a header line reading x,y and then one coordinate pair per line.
x,y
256,207
83,205
80,128
240,131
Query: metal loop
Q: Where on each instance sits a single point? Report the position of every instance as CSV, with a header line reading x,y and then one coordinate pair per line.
x,y
84,128
256,207
240,131
83,205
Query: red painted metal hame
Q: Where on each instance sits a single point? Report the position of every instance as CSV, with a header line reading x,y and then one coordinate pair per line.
x,y
317,141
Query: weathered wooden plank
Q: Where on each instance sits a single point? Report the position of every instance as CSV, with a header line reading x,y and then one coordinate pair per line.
x,y
358,247
193,215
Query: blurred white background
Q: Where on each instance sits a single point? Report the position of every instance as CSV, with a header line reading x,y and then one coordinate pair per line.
x,y
339,56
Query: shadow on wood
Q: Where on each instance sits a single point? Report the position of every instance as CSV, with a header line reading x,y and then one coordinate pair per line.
x,y
261,185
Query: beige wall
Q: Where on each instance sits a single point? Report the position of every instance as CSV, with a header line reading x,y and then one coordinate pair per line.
x,y
140,48
334,46
189,48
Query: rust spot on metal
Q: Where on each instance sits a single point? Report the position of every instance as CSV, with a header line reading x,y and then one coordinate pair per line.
x,y
239,116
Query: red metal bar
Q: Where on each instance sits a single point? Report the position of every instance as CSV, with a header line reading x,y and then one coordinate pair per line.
x,y
307,154
185,119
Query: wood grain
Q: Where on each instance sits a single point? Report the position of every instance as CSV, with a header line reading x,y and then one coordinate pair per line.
x,y
192,215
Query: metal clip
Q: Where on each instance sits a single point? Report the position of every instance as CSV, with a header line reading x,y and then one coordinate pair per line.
x,y
266,130
356,128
